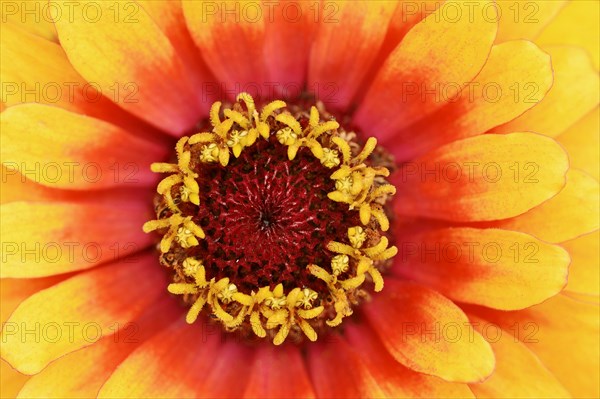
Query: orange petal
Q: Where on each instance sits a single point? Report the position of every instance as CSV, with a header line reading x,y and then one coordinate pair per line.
x,y
289,35
37,70
193,356
73,151
525,19
229,375
278,373
336,372
563,333
481,178
80,374
400,381
43,239
584,273
584,16
15,291
11,381
15,187
346,46
406,15
168,15
77,312
438,52
573,95
230,38
582,142
519,373
571,213
31,16
515,77
182,352
494,268
138,65
428,333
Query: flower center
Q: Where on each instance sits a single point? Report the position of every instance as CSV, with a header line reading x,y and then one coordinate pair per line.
x,y
273,220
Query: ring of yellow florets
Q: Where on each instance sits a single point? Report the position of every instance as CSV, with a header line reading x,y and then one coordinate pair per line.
x,y
356,184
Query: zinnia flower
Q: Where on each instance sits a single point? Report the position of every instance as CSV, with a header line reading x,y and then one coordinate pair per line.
x,y
357,199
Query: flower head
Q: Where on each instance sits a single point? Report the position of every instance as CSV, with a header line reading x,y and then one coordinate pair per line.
x,y
376,199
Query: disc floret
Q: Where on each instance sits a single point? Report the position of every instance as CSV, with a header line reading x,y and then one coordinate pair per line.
x,y
272,309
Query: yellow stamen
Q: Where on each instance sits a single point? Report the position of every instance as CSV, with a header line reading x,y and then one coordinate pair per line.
x,y
357,184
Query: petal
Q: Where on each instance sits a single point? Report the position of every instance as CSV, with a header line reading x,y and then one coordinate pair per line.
x,y
582,142
563,333
11,381
525,19
346,46
182,352
516,76
77,312
584,16
396,380
31,16
168,15
80,374
406,15
15,291
43,239
573,95
336,372
438,51
230,39
138,63
229,375
481,178
16,187
278,373
495,268
428,333
584,273
290,32
519,373
574,211
68,150
37,70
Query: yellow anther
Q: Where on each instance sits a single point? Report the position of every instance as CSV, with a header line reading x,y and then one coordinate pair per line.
x,y
237,118
209,153
195,310
330,158
314,117
201,138
339,264
214,114
367,150
161,167
286,136
322,128
270,108
290,121
310,313
248,100
357,236
182,288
